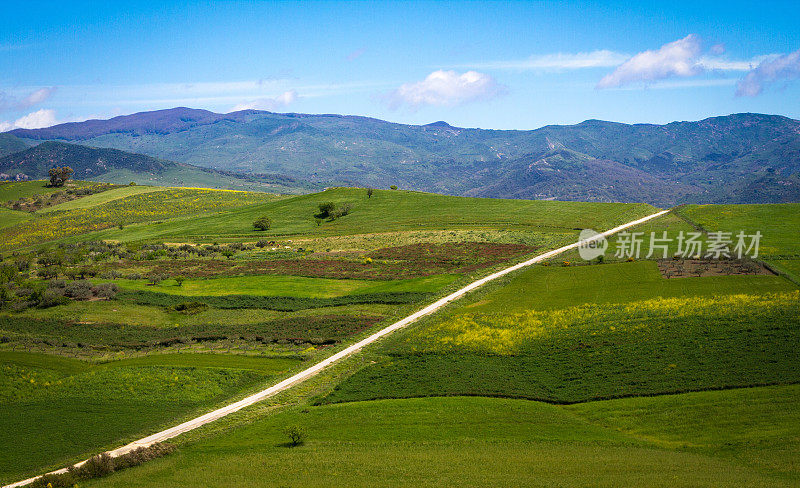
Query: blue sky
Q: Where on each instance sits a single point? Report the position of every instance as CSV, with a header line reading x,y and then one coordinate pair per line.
x,y
499,65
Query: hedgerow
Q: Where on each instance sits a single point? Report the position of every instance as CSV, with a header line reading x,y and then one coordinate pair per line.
x,y
284,304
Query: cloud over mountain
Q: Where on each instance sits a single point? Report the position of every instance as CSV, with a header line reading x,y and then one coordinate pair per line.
x,y
446,88
267,103
675,59
784,67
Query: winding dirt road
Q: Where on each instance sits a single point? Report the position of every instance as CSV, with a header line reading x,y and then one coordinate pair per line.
x,y
315,369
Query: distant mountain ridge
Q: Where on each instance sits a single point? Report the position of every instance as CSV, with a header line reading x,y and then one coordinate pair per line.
x,y
116,166
740,158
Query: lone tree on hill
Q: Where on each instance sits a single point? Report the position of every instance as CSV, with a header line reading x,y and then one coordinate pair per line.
x,y
59,176
262,223
369,192
326,210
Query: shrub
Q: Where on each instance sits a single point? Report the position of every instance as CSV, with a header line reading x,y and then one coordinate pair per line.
x,y
341,211
262,243
191,308
111,275
155,278
66,480
295,433
393,187
48,272
105,290
96,466
79,290
52,297
262,223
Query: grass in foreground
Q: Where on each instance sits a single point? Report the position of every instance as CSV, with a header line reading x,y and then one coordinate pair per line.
x,y
55,409
500,442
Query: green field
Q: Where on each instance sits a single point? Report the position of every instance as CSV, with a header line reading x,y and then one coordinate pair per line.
x,y
556,375
554,287
14,190
56,409
295,286
482,442
9,218
387,211
143,207
778,223
101,198
591,352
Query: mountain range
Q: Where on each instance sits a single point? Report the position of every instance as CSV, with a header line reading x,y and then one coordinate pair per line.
x,y
115,166
740,158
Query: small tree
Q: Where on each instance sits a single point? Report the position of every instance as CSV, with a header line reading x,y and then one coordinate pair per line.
x,y
155,278
295,433
59,176
369,192
180,279
262,223
318,221
393,187
326,209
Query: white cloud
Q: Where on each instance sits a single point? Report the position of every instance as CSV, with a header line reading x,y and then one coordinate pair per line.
x,y
559,61
674,59
717,63
446,88
785,67
5,126
11,102
36,120
37,97
270,104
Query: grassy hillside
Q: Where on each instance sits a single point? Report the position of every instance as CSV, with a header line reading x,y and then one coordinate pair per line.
x,y
480,442
94,405
10,144
14,190
141,207
387,211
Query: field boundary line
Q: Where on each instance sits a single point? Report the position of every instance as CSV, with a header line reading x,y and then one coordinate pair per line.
x,y
318,367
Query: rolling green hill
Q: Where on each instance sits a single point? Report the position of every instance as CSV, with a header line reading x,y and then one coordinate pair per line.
x,y
741,158
10,144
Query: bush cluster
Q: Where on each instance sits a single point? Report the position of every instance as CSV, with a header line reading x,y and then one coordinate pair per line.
x,y
103,465
331,211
